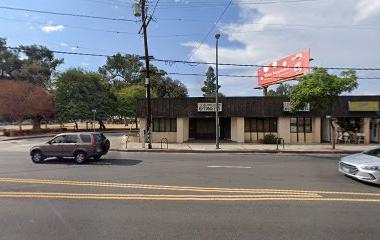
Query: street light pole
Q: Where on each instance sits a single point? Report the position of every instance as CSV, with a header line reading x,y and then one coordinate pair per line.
x,y
217,127
147,78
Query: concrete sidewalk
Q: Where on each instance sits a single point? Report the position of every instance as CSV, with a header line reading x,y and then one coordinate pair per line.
x,y
118,144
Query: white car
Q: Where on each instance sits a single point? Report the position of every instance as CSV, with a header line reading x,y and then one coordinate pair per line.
x,y
363,166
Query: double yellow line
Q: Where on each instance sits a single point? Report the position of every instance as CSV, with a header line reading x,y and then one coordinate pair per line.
x,y
219,194
97,196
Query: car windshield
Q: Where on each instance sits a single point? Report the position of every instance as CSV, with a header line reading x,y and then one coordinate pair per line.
x,y
373,152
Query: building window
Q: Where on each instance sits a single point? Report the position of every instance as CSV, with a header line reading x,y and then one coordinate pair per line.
x,y
265,125
301,125
164,125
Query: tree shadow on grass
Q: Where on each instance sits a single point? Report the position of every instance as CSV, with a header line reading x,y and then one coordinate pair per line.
x,y
91,162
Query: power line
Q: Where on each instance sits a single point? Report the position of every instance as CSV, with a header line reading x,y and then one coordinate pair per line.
x,y
155,7
209,4
245,76
66,14
99,29
70,26
211,29
259,65
171,61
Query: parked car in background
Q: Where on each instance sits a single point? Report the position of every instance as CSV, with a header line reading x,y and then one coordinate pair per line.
x,y
81,146
363,166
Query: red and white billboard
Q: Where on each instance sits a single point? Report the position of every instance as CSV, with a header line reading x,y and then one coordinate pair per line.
x,y
288,68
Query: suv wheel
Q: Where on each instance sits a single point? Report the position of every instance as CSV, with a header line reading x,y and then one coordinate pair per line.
x,y
79,157
37,156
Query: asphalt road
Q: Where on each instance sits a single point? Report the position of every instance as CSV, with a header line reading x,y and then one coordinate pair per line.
x,y
183,196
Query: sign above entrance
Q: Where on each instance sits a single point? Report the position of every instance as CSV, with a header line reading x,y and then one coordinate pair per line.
x,y
288,108
208,107
363,106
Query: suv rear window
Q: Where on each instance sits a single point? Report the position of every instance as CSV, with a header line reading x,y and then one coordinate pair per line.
x,y
85,138
99,137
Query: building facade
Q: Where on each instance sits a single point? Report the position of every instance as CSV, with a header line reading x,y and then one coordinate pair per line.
x,y
249,119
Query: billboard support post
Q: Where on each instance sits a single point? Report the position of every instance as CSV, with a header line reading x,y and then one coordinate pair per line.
x,y
265,91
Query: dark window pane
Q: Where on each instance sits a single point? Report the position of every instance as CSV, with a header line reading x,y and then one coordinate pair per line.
x,y
260,125
71,139
301,123
266,125
308,125
167,125
247,124
173,125
254,125
99,137
85,138
293,125
59,139
273,125
162,125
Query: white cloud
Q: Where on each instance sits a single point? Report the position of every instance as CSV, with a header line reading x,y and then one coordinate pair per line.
x,y
366,9
52,28
267,32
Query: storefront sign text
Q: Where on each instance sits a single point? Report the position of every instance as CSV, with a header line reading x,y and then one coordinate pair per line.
x,y
363,106
208,107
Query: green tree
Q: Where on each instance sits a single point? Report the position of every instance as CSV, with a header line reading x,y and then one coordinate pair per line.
x,y
34,63
122,70
209,85
38,65
9,61
321,89
166,87
79,92
127,100
282,90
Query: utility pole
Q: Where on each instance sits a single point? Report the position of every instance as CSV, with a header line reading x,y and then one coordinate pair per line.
x,y
217,127
148,128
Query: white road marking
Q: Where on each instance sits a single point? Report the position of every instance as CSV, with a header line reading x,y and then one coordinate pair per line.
x,y
238,167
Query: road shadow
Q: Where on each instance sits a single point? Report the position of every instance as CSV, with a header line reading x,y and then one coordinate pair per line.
x,y
91,162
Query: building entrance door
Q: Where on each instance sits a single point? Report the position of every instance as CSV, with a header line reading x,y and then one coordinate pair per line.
x,y
204,128
374,126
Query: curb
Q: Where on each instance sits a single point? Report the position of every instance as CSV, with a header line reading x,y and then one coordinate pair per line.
x,y
231,151
43,136
26,137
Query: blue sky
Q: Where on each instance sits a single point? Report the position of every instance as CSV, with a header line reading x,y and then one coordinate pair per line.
x,y
339,33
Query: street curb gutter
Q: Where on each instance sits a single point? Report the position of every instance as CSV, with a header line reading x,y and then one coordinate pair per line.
x,y
27,137
231,151
42,136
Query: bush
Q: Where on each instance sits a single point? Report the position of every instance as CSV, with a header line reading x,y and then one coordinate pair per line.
x,y
15,133
270,139
7,132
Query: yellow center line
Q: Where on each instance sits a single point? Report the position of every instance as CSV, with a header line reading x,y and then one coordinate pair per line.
x,y
160,198
149,195
179,188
